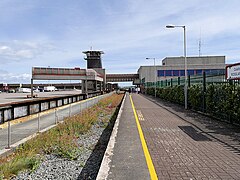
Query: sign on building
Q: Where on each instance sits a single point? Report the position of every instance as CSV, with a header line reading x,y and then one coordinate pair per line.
x,y
233,72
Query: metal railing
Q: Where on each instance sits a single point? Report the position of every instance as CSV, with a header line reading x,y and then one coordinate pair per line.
x,y
16,110
12,135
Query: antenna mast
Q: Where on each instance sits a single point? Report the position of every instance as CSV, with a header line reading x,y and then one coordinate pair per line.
x,y
200,44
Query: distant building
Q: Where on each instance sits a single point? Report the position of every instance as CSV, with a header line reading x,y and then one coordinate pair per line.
x,y
93,59
173,67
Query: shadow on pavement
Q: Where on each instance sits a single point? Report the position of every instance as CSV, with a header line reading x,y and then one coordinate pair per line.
x,y
216,130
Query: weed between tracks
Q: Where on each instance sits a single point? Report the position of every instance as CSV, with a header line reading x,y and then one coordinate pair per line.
x,y
61,140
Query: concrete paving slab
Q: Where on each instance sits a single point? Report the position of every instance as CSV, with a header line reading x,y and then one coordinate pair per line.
x,y
128,160
181,148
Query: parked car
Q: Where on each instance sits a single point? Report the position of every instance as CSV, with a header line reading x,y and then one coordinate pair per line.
x,y
11,91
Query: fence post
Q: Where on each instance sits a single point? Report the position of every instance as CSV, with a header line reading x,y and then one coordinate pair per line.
x,y
204,92
38,122
171,83
231,83
189,81
178,80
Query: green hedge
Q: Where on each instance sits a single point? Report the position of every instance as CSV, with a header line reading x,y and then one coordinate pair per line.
x,y
219,100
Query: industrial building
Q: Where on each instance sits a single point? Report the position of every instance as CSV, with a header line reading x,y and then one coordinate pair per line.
x,y
173,67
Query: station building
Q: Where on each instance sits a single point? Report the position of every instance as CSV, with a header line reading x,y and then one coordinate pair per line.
x,y
173,67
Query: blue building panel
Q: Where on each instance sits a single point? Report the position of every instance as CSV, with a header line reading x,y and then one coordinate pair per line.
x,y
168,72
182,72
161,73
199,71
175,72
190,72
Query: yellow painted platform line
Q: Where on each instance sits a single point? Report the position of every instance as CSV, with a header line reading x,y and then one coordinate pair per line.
x,y
144,145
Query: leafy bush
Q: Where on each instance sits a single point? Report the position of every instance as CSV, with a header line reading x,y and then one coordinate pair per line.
x,y
195,96
221,100
173,94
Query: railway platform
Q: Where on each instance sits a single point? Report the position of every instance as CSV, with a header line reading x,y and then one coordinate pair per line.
x,y
153,139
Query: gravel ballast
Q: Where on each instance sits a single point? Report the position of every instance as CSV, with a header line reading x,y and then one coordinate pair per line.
x,y
92,144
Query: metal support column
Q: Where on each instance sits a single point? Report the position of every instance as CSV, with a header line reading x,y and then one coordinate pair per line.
x,y
31,88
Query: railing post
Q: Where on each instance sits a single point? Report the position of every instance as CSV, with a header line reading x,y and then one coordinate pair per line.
x,y
56,118
12,113
178,80
70,108
39,108
28,109
9,135
2,116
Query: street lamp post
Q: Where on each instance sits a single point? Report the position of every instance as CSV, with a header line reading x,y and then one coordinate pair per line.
x,y
155,78
185,60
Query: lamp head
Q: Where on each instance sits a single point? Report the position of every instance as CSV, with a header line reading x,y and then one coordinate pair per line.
x,y
170,26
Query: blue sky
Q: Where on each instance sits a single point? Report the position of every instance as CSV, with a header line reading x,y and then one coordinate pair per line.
x,y
55,32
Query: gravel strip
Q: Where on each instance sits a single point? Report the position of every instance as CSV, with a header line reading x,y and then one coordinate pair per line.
x,y
54,167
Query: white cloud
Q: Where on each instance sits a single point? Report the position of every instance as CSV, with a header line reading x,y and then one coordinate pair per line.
x,y
14,78
23,50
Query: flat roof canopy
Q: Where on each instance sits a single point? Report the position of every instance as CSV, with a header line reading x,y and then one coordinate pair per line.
x,y
43,73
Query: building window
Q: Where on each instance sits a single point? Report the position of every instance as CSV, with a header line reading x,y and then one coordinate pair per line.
x,y
175,72
182,72
160,72
190,72
168,72
217,71
207,71
199,71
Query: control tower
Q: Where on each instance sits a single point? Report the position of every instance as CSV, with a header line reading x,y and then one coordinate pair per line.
x,y
93,59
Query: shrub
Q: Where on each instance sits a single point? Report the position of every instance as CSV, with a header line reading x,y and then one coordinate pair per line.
x,y
222,100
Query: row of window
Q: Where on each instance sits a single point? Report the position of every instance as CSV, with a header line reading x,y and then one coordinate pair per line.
x,y
190,72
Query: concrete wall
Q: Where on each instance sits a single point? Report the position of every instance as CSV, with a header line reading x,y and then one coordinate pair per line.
x,y
177,63
202,60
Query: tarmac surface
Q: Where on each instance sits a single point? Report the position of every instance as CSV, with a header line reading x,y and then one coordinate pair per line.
x,y
182,144
16,97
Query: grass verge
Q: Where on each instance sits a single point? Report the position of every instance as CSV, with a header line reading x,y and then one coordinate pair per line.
x,y
61,140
